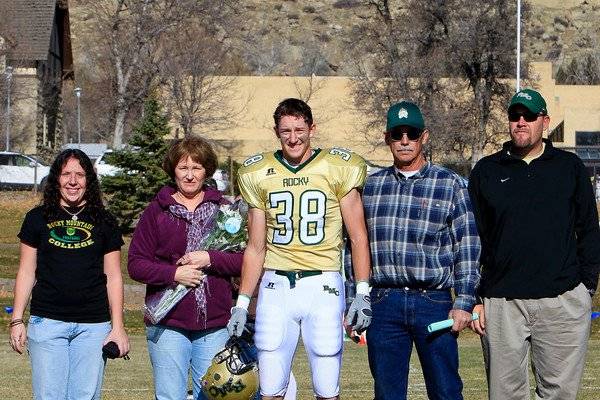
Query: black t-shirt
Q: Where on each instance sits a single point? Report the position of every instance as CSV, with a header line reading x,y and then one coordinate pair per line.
x,y
70,281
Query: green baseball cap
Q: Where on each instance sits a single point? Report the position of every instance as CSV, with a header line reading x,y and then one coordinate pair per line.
x,y
404,113
531,100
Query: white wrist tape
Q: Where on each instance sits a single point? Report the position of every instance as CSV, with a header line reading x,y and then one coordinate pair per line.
x,y
362,287
243,301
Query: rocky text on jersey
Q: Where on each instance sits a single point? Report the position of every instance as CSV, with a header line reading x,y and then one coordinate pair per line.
x,y
303,181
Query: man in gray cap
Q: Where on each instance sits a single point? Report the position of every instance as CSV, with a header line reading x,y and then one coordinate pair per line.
x,y
537,218
424,244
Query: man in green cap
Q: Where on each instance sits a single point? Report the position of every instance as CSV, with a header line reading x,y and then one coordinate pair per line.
x,y
537,219
424,245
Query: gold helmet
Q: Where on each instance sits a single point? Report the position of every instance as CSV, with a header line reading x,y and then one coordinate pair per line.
x,y
233,373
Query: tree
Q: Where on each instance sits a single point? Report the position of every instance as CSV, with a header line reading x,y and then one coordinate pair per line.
x,y
141,175
582,70
195,77
451,57
130,34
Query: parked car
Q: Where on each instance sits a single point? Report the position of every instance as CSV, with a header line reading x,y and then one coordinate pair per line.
x,y
103,166
17,171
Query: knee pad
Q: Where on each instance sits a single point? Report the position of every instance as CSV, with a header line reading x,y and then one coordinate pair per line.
x,y
270,327
322,333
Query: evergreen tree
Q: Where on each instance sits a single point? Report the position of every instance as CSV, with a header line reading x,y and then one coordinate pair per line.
x,y
141,174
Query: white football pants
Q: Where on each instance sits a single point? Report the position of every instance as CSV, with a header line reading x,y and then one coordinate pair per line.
x,y
314,306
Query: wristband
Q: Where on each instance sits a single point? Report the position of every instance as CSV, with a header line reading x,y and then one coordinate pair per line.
x,y
243,301
15,322
362,287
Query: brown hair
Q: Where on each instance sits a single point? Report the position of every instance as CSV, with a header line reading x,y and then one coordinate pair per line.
x,y
295,108
195,147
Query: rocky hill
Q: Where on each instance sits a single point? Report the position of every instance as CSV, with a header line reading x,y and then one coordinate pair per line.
x,y
297,37
302,37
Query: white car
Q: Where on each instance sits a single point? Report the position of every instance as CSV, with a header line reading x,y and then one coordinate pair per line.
x,y
103,167
18,171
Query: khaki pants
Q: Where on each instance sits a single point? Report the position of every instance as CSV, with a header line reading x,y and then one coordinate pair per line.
x,y
554,330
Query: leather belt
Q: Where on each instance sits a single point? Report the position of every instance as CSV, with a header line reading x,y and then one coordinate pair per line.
x,y
293,276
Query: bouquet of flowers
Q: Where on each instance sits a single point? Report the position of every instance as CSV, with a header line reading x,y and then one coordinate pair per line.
x,y
229,234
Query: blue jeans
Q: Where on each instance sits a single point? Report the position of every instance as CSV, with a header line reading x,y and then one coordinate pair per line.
x,y
400,318
173,351
66,358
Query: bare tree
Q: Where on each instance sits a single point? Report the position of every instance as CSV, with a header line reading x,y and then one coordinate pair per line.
x,y
451,57
132,33
195,75
584,69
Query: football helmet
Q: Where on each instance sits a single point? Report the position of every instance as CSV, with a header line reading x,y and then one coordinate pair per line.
x,y
233,373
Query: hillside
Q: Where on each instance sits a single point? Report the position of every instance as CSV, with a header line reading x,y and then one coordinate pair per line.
x,y
304,37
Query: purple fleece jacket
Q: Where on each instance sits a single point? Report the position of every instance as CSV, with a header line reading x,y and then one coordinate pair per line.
x,y
159,240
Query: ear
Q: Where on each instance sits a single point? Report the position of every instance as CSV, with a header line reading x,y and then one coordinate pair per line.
x,y
425,137
312,130
546,122
276,132
386,137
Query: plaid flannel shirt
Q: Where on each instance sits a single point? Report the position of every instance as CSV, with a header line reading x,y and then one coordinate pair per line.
x,y
422,232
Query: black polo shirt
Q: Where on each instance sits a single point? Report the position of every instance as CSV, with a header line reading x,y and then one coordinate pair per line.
x,y
538,224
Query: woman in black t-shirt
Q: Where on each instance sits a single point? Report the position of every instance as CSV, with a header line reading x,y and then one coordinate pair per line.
x,y
70,265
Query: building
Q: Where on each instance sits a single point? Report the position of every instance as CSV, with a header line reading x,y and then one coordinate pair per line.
x,y
37,50
574,112
574,116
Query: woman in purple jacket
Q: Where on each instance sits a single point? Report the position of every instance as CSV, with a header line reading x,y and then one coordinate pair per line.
x,y
170,228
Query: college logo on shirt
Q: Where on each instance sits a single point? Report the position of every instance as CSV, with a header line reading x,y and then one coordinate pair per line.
x,y
70,234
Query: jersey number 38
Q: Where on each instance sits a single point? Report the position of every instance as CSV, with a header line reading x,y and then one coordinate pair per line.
x,y
310,216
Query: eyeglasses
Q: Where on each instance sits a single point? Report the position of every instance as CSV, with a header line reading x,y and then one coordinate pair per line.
x,y
411,133
528,116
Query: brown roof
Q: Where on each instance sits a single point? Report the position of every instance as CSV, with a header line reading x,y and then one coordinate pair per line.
x,y
27,25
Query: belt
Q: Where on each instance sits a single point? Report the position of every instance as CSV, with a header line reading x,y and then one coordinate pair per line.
x,y
293,276
410,289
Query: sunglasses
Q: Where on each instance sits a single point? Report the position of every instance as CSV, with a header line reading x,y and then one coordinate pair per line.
x,y
528,116
411,133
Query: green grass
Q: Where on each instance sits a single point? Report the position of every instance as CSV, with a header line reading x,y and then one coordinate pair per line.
x,y
132,379
13,207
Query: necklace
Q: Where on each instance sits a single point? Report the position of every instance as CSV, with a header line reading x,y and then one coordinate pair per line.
x,y
73,215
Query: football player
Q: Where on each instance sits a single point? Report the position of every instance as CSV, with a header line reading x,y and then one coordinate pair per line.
x,y
300,197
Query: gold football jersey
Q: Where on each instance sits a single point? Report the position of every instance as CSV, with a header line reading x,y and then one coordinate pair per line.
x,y
302,205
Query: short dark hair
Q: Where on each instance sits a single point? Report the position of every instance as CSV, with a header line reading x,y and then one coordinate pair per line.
x,y
195,147
293,107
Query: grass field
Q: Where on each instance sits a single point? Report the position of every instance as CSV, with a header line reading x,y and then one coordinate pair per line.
x,y
132,379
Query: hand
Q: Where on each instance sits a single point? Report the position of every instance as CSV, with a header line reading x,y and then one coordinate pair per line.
x,y
189,275
18,338
199,258
237,322
479,325
359,313
461,319
119,336
351,333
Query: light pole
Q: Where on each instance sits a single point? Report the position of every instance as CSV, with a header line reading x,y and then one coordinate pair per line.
x,y
518,45
77,91
8,71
